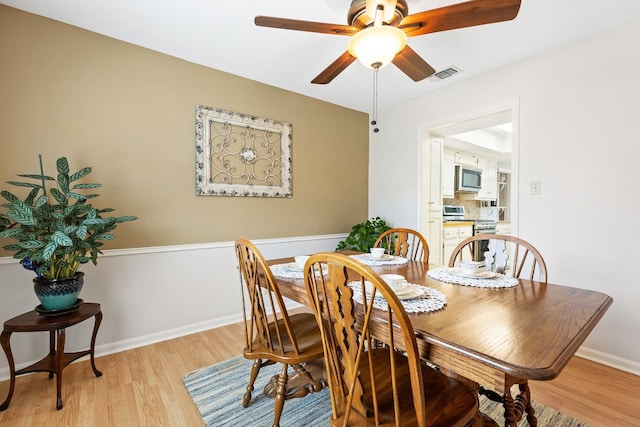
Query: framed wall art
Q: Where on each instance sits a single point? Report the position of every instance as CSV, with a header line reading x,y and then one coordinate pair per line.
x,y
242,156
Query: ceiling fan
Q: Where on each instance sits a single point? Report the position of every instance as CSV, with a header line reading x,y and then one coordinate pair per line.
x,y
376,25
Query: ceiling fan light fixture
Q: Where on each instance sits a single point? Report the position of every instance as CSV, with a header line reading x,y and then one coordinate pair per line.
x,y
375,47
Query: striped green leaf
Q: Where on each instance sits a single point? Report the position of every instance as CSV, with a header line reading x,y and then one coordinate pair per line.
x,y
82,232
24,184
10,232
60,198
48,251
63,182
81,173
126,218
105,236
80,186
38,177
63,166
78,196
42,200
21,213
61,239
31,244
8,196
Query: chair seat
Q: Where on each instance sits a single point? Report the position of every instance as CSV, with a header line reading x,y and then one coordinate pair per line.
x,y
449,403
305,329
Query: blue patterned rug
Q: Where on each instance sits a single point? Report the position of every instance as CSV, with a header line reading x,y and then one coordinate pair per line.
x,y
217,391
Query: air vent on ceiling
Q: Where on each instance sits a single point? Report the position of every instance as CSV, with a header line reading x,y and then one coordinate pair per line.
x,y
446,73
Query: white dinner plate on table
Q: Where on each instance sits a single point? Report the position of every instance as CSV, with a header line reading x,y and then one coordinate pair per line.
x,y
292,266
408,291
385,257
476,275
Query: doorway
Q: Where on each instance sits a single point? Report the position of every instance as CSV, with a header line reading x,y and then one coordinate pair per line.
x,y
489,134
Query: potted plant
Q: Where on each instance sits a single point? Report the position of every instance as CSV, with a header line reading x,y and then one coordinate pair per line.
x,y
57,230
363,235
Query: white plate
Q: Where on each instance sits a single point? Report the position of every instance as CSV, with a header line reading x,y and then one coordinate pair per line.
x,y
406,292
411,293
292,266
385,257
477,275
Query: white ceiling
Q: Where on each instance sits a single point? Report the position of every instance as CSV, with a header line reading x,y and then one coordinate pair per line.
x,y
222,35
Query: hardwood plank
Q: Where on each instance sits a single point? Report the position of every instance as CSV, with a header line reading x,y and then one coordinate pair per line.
x,y
596,394
143,386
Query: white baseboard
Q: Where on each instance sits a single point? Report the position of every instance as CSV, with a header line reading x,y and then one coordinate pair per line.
x,y
609,360
117,347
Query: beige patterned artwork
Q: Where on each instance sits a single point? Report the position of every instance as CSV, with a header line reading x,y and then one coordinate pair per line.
x,y
241,156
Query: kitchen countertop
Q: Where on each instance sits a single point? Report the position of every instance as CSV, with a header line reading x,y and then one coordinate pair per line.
x,y
456,223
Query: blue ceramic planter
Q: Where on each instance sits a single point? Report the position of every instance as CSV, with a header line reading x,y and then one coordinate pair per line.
x,y
58,294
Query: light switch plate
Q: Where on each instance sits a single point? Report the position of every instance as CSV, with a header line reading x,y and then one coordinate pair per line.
x,y
535,188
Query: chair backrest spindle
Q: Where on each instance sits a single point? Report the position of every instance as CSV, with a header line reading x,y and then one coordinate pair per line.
x,y
508,255
404,242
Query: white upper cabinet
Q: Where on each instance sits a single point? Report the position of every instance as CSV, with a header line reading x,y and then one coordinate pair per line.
x,y
489,189
463,158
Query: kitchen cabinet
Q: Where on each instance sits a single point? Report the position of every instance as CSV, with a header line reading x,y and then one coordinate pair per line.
x,y
452,234
448,174
464,158
435,185
489,190
431,212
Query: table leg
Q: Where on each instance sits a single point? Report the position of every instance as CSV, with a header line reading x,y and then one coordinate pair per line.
x,y
516,408
6,346
96,325
59,366
52,347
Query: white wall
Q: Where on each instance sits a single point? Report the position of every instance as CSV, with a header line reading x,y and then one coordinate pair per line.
x,y
147,295
579,113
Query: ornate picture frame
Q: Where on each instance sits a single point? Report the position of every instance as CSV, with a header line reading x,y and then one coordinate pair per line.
x,y
241,156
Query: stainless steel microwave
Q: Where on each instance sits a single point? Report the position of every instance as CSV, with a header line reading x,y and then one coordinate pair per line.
x,y
468,179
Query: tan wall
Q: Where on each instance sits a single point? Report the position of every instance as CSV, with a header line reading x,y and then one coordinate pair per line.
x,y
129,112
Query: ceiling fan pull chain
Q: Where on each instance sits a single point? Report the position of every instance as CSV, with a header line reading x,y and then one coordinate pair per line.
x,y
374,122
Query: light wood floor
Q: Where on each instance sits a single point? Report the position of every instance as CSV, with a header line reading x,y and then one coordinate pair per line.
x,y
143,387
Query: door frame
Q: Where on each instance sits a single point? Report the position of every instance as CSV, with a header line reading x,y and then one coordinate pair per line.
x,y
425,134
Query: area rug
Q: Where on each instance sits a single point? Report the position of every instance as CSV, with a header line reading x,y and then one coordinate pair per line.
x,y
217,391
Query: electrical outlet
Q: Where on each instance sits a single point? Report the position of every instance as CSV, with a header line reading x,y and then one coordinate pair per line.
x,y
535,188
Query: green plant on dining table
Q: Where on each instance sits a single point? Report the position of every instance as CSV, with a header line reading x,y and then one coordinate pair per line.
x,y
363,235
56,230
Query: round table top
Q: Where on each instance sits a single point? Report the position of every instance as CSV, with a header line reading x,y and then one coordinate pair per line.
x,y
33,321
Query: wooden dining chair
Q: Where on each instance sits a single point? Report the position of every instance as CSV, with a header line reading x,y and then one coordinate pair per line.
x,y
272,335
368,384
508,255
404,242
514,257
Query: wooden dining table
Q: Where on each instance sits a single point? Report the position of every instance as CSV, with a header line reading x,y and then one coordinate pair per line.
x,y
494,337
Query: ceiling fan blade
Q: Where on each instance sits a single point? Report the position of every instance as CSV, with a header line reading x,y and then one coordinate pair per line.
x,y
410,63
336,67
313,27
461,15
